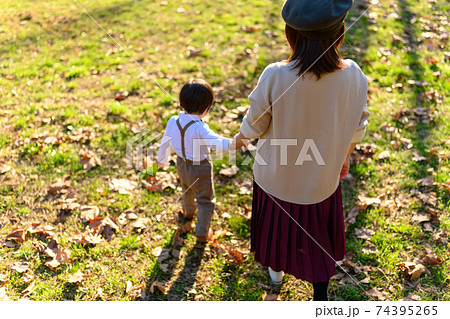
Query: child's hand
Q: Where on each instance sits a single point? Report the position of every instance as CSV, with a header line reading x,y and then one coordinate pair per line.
x,y
345,169
232,145
238,141
162,165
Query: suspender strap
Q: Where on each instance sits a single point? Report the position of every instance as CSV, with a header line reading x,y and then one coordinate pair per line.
x,y
182,133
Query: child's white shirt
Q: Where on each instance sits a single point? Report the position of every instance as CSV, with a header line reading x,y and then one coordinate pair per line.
x,y
199,139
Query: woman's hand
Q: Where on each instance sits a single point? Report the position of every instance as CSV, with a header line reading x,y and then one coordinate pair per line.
x,y
345,169
238,141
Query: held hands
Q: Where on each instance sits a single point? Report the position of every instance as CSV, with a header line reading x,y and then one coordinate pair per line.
x,y
345,169
238,141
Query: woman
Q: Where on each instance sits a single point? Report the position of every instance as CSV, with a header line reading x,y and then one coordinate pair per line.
x,y
308,113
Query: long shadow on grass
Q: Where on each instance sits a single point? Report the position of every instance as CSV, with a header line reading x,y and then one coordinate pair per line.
x,y
420,131
184,282
186,278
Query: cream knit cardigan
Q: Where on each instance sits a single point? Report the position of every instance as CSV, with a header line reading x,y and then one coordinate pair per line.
x,y
305,127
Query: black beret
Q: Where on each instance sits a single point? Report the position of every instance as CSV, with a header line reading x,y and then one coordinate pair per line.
x,y
316,19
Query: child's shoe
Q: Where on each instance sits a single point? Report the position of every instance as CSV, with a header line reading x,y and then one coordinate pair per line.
x,y
187,227
187,216
276,277
206,238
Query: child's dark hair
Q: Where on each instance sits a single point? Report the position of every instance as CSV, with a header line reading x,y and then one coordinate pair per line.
x,y
196,96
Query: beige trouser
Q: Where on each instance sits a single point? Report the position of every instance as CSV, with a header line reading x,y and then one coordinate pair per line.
x,y
197,183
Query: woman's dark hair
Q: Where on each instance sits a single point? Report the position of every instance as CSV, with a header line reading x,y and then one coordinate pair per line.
x,y
305,52
196,96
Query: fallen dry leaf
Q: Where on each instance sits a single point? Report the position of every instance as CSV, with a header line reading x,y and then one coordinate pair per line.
x,y
45,230
421,217
88,213
270,297
229,171
127,215
411,297
86,238
364,201
383,155
427,181
59,187
120,96
375,293
428,198
88,159
218,234
445,185
366,280
18,235
123,186
3,296
187,227
4,167
27,278
176,253
160,285
9,244
412,270
140,223
352,214
364,233
29,289
249,29
431,259
81,135
369,250
235,257
61,256
3,221
417,271
427,227
246,187
104,226
4,278
164,267
156,251
441,236
177,240
165,254
52,264
77,278
133,290
160,181
21,266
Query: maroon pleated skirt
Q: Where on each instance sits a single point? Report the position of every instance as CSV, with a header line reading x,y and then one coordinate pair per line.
x,y
305,244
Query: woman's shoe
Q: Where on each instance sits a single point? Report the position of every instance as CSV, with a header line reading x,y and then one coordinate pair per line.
x,y
276,276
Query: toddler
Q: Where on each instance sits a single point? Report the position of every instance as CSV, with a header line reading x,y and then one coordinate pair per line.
x,y
192,140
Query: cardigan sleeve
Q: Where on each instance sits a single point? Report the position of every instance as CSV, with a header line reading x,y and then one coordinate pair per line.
x,y
361,130
258,117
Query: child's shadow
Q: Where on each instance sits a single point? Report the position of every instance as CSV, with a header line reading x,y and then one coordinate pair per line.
x,y
187,276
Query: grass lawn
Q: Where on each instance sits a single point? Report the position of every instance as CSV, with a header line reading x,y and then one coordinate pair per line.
x,y
59,76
